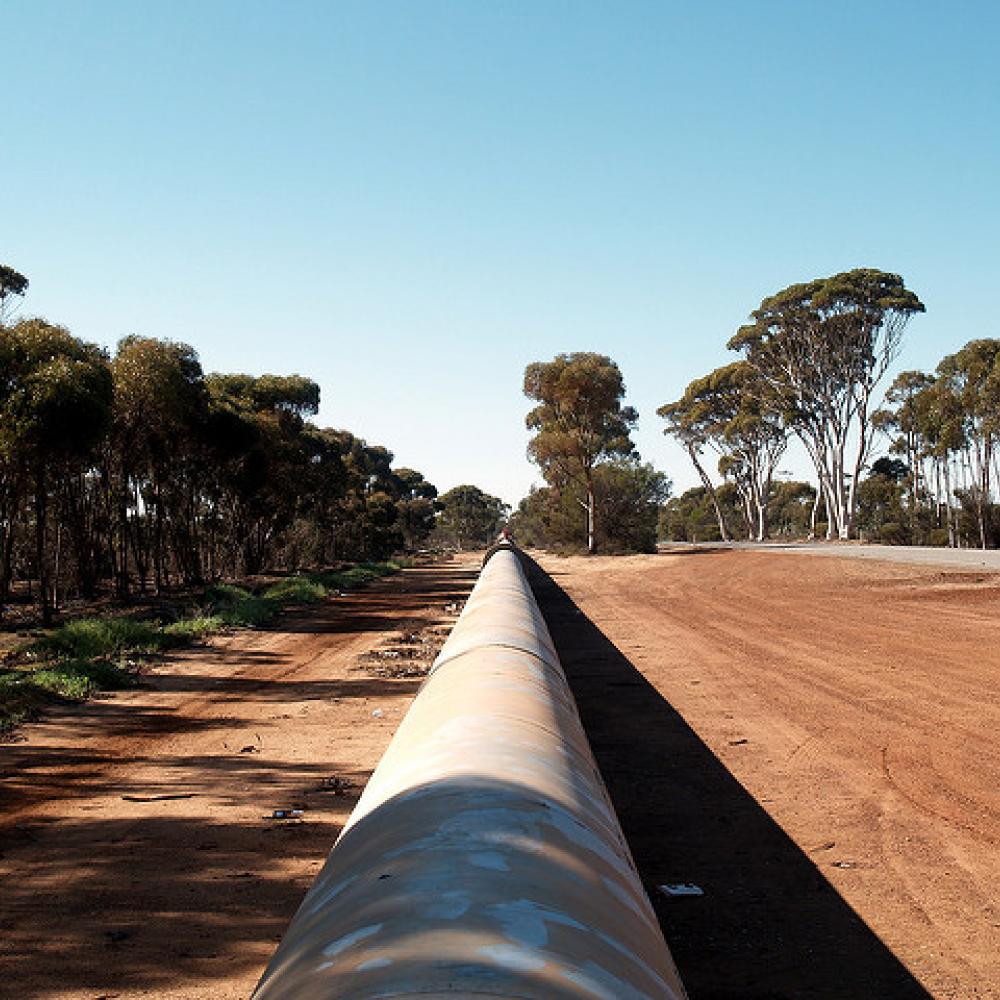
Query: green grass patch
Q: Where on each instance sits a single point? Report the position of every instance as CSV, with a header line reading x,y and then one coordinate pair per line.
x,y
356,576
188,630
85,656
238,606
89,638
296,590
25,692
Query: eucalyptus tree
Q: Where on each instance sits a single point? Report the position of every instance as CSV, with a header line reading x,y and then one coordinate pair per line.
x,y
900,417
470,517
54,410
263,456
13,285
735,413
154,458
579,421
970,382
688,422
823,347
415,513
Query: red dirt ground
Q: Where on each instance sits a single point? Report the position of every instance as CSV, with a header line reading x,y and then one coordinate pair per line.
x,y
815,743
186,897
812,741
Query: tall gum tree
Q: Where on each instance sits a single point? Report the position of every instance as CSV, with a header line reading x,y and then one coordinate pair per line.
x,y
900,419
971,378
732,411
579,421
823,347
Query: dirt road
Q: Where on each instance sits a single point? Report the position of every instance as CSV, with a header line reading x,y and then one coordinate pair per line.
x,y
136,859
814,743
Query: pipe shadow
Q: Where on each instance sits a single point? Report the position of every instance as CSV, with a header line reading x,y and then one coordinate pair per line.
x,y
769,926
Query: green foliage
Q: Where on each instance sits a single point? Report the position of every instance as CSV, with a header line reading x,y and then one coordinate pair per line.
x,y
86,655
628,499
579,422
13,285
154,474
469,517
691,517
822,347
238,606
24,692
78,679
790,509
893,533
188,630
295,590
735,413
880,506
938,537
87,638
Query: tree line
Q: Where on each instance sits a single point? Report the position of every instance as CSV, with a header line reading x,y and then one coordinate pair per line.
x,y
813,358
812,362
135,471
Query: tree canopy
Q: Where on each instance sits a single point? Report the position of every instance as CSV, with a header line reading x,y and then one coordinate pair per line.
x,y
822,347
13,285
468,517
579,422
733,412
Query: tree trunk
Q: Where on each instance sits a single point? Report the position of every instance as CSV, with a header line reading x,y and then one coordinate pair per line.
x,y
590,514
42,568
723,530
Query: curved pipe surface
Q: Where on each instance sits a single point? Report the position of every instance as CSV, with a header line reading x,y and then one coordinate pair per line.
x,y
484,858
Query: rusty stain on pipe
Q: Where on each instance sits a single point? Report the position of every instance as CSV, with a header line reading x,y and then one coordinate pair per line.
x,y
484,858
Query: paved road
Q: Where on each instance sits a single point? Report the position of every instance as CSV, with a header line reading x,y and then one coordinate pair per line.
x,y
921,555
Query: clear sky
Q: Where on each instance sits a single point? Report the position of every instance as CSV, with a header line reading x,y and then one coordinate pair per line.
x,y
410,201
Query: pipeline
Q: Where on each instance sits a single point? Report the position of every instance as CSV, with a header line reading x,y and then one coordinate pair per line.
x,y
484,858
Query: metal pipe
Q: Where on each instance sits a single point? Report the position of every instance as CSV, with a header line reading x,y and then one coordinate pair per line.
x,y
484,858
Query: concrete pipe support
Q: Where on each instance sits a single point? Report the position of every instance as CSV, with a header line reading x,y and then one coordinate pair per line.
x,y
484,858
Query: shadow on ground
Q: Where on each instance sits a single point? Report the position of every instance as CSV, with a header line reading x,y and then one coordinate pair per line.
x,y
188,889
770,926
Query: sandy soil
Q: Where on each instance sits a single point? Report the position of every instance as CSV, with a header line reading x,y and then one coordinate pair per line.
x,y
137,856
814,743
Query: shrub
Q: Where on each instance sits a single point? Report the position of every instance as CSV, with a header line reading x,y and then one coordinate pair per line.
x,y
892,533
237,606
296,590
937,536
88,638
188,630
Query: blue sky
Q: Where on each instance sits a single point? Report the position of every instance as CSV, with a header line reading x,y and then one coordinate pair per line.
x,y
411,201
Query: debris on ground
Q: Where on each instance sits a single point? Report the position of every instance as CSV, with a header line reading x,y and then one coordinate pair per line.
x,y
680,889
336,785
406,655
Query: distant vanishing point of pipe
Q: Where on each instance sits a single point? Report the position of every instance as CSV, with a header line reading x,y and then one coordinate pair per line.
x,y
484,858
